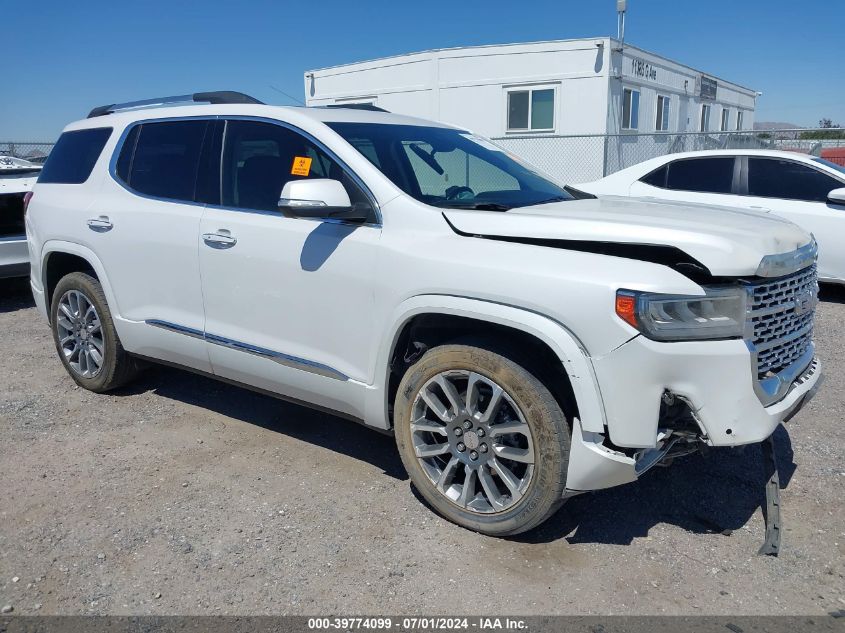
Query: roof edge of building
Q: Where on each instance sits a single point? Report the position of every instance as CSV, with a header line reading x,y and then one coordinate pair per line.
x,y
456,48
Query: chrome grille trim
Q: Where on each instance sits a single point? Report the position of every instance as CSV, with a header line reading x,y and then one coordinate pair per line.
x,y
779,331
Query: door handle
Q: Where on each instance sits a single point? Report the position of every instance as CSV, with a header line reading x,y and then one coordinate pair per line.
x,y
758,208
100,224
219,240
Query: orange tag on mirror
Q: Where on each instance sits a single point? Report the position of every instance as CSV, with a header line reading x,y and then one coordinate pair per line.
x,y
301,166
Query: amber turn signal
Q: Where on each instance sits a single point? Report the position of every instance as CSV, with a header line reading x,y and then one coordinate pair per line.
x,y
626,308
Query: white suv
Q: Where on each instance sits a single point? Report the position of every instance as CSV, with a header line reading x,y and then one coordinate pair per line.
x,y
521,345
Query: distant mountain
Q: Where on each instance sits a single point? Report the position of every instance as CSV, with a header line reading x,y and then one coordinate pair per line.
x,y
774,125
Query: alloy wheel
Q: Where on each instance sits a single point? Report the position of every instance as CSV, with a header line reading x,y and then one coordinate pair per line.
x,y
472,441
80,334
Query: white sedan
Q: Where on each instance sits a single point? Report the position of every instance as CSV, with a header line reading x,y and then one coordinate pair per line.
x,y
17,176
807,190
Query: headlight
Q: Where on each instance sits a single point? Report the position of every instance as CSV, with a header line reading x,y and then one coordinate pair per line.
x,y
720,313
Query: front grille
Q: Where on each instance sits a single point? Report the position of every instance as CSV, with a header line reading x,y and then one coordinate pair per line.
x,y
780,321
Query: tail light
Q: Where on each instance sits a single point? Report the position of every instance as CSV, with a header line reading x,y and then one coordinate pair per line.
x,y
26,198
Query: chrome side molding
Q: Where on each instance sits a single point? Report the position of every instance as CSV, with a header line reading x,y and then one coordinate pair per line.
x,y
287,360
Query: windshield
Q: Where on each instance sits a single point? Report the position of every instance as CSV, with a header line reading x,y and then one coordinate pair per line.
x,y
450,168
827,163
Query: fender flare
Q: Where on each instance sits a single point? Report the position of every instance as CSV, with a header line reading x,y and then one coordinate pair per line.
x,y
72,248
562,342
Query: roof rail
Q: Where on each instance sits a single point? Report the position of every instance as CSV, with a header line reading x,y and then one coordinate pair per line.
x,y
221,96
355,106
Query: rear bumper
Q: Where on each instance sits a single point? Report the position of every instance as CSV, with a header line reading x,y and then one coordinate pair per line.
x,y
14,256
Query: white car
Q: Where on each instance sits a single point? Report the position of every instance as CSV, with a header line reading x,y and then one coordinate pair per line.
x,y
17,176
807,190
521,345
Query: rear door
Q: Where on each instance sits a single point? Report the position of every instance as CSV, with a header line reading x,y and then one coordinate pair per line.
x,y
144,226
798,192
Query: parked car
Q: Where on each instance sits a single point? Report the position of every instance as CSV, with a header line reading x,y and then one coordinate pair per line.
x,y
17,176
807,190
521,345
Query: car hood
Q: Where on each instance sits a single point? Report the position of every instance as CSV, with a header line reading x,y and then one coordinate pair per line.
x,y
728,242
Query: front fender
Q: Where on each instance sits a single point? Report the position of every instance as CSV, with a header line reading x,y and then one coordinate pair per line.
x,y
562,342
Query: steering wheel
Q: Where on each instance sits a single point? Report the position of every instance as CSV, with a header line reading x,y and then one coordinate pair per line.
x,y
458,192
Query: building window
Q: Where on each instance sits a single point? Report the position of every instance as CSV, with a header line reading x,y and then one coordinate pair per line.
x,y
739,119
705,118
630,109
726,115
532,109
661,124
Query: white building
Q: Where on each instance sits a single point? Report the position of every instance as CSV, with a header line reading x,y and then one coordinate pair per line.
x,y
543,89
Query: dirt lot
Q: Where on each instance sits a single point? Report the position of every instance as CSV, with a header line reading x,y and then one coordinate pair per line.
x,y
183,495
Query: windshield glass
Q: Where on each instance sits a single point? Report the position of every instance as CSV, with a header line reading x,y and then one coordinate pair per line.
x,y
827,163
450,168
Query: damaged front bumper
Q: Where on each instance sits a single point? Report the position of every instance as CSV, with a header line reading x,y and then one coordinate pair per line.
x,y
663,400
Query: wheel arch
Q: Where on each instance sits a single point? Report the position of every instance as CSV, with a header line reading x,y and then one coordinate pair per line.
x,y
447,318
59,258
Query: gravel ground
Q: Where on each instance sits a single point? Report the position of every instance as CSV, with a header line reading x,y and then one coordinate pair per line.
x,y
183,495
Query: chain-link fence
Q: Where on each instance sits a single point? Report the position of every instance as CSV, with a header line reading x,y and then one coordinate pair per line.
x,y
34,152
582,158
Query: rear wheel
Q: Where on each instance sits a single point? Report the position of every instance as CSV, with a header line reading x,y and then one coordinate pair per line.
x,y
84,334
483,440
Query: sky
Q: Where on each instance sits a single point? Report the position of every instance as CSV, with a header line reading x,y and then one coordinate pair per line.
x,y
59,59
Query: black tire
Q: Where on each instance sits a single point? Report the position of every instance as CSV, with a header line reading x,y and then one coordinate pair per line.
x,y
547,423
117,367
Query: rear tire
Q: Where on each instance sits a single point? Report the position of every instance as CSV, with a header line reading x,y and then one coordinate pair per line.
x,y
85,337
488,461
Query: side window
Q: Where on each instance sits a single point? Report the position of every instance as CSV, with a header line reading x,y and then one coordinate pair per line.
x,y
74,156
165,159
657,178
260,158
705,175
705,118
773,178
630,109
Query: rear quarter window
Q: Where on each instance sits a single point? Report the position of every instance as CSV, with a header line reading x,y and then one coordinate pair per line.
x,y
74,156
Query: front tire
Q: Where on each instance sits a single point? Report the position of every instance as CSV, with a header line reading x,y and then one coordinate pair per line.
x,y
85,337
483,440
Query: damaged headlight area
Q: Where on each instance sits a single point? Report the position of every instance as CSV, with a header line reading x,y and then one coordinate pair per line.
x,y
718,314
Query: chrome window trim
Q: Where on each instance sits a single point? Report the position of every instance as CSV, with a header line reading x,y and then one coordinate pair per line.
x,y
225,118
287,360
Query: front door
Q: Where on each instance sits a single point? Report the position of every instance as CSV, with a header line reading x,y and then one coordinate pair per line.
x,y
288,302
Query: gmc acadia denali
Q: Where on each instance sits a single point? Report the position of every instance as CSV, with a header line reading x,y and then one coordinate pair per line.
x,y
521,345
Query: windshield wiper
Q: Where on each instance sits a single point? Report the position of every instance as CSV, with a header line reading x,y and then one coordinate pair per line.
x,y
555,199
479,206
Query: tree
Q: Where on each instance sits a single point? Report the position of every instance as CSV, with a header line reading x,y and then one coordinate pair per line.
x,y
828,130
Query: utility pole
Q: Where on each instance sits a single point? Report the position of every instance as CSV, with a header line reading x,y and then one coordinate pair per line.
x,y
621,7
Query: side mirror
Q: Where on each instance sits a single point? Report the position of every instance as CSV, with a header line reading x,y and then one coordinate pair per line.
x,y
319,198
837,196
